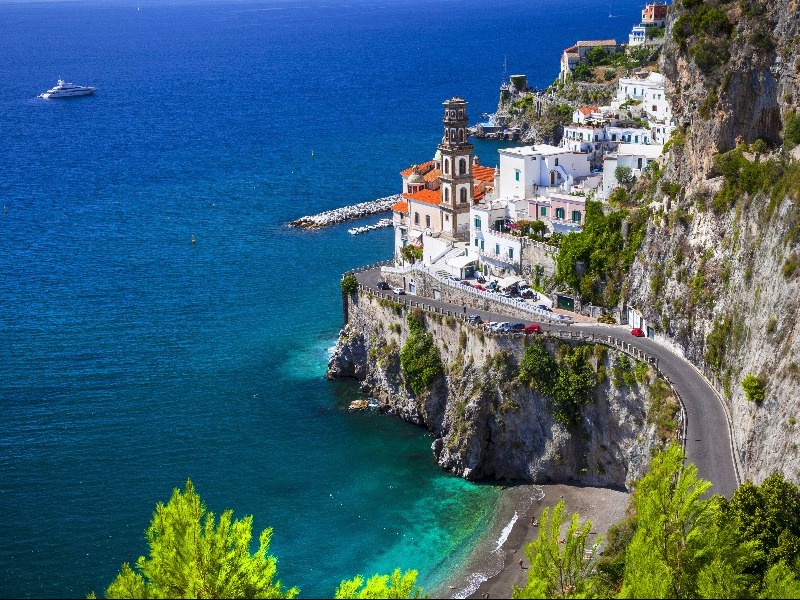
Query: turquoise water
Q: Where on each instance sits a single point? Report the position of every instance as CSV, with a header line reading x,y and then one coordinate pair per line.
x,y
131,359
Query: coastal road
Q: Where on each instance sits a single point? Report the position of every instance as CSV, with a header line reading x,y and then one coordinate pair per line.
x,y
708,441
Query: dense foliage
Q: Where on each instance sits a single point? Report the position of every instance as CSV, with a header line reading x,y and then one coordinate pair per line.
x,y
679,542
569,378
419,358
398,585
192,557
753,388
411,253
595,261
349,284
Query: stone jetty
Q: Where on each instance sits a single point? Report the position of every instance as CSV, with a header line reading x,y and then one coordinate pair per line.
x,y
380,224
346,213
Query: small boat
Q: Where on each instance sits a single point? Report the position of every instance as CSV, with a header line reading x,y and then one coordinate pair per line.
x,y
67,90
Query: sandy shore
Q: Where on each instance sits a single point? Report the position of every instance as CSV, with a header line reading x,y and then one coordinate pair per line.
x,y
494,569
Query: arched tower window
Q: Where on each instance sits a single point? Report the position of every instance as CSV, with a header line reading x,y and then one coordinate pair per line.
x,y
461,134
462,166
463,195
452,135
446,166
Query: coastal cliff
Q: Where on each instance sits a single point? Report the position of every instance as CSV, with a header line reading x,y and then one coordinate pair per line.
x,y
488,419
717,273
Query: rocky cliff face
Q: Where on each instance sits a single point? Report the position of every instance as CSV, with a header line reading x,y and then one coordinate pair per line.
x,y
717,273
486,424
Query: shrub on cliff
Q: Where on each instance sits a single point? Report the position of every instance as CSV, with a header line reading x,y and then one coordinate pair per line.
x,y
753,388
419,359
349,284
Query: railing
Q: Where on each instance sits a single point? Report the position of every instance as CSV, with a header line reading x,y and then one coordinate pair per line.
x,y
382,263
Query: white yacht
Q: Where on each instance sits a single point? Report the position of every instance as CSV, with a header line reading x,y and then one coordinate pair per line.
x,y
67,90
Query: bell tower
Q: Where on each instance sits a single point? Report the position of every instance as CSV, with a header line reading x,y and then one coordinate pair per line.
x,y
456,178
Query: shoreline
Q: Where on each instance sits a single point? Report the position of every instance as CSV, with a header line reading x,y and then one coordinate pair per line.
x,y
492,568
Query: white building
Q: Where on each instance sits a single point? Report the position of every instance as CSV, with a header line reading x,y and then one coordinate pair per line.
x,y
530,170
634,156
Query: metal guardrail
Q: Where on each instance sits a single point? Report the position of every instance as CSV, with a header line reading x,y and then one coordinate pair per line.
x,y
542,315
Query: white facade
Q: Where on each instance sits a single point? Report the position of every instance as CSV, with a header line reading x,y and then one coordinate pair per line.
x,y
634,156
487,244
526,169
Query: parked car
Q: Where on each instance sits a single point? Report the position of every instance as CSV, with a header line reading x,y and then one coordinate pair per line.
x,y
481,279
636,331
533,328
517,327
479,287
529,294
474,319
497,326
544,307
398,291
382,285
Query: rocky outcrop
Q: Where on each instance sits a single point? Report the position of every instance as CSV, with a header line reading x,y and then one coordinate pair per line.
x,y
717,278
485,422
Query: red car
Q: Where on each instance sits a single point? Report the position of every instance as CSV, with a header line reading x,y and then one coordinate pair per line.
x,y
637,332
533,328
479,287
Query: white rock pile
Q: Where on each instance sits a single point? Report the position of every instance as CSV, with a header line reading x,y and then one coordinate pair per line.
x,y
338,215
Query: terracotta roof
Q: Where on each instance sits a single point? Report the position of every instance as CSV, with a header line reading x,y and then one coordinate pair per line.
x,y
479,191
426,196
432,175
571,49
423,168
401,207
593,43
587,110
483,173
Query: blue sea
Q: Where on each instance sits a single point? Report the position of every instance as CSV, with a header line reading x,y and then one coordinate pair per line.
x,y
132,359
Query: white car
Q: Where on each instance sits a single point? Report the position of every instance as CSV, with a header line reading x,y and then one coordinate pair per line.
x,y
398,291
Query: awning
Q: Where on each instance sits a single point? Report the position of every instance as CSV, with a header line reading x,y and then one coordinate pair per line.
x,y
509,281
417,235
459,262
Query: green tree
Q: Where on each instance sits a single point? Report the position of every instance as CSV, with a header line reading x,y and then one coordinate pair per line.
x,y
195,558
398,585
559,569
419,358
349,284
664,556
781,582
411,253
624,175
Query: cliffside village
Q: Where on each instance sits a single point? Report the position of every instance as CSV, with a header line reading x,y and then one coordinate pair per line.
x,y
463,215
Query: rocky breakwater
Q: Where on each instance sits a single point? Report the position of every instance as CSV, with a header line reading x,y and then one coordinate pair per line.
x,y
346,213
507,407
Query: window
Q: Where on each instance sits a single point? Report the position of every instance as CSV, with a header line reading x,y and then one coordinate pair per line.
x,y
446,166
556,162
427,220
477,223
544,211
637,139
638,163
416,218
655,108
447,194
461,135
482,245
497,249
462,166
463,195
476,242
576,216
511,253
559,213
516,174
613,137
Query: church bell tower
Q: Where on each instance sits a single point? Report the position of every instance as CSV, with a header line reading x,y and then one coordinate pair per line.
x,y
456,177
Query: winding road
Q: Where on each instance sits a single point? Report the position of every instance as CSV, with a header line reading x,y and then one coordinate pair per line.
x,y
708,437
